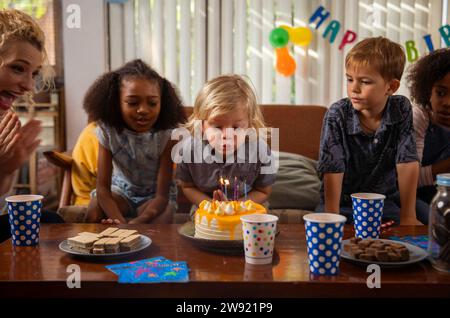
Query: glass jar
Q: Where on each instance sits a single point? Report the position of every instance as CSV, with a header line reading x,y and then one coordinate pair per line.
x,y
439,225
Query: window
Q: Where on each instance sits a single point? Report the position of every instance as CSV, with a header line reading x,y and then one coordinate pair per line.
x,y
191,41
42,11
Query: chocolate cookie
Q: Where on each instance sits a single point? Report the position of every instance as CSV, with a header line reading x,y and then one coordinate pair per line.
x,y
377,250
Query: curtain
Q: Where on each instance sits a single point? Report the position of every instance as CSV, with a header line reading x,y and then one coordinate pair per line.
x,y
191,41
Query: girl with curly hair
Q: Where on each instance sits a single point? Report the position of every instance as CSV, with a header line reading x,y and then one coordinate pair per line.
x,y
429,82
135,109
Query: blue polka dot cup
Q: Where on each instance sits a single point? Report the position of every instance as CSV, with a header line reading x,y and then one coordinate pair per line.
x,y
367,214
24,213
324,232
259,237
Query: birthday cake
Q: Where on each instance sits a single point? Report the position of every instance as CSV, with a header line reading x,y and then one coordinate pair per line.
x,y
215,220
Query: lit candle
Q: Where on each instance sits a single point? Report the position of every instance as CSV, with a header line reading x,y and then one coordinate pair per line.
x,y
235,189
245,189
221,183
227,183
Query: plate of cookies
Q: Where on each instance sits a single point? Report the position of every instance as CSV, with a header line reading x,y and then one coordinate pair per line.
x,y
108,244
386,253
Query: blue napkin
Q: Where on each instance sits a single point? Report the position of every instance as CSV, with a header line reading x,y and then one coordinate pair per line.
x,y
153,270
417,240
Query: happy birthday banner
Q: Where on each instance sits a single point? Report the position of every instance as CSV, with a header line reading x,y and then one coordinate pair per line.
x,y
302,36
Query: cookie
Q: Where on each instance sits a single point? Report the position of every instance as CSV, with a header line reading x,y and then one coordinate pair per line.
x,y
377,250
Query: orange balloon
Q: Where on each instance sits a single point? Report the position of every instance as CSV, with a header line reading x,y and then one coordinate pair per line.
x,y
285,64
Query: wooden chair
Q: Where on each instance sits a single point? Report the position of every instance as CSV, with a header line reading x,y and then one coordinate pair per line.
x,y
63,161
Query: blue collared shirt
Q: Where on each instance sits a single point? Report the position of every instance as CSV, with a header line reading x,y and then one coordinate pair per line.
x,y
368,161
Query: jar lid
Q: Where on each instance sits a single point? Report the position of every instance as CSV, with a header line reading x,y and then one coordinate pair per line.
x,y
443,179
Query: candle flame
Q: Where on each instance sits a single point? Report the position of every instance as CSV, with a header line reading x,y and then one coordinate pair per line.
x,y
227,182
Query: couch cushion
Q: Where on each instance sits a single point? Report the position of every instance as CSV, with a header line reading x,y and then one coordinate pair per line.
x,y
297,184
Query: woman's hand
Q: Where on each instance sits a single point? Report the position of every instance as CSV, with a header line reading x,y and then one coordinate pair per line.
x,y
9,135
22,149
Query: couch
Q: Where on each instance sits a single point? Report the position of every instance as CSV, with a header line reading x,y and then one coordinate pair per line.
x,y
297,185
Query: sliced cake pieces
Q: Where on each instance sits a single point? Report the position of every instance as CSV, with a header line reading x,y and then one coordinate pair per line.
x,y
129,243
82,243
108,231
111,240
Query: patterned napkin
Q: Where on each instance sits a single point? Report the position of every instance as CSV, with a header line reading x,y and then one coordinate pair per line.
x,y
152,270
417,240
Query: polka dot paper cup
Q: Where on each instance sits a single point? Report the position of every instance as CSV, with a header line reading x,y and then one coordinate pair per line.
x,y
324,232
367,214
24,218
259,237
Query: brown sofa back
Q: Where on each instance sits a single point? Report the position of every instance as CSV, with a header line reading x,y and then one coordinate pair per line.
x,y
299,127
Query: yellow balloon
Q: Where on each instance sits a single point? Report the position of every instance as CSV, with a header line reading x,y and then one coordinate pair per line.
x,y
299,36
287,28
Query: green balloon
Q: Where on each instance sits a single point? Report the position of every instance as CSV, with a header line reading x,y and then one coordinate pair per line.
x,y
279,37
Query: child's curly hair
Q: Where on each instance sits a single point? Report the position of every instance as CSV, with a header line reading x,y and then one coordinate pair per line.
x,y
425,72
102,100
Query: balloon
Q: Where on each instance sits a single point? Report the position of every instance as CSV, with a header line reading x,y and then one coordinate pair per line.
x,y
299,36
285,62
279,37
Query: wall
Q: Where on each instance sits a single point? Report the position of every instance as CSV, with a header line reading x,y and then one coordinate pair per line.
x,y
84,48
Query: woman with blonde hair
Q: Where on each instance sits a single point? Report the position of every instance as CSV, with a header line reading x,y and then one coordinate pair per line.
x,y
22,56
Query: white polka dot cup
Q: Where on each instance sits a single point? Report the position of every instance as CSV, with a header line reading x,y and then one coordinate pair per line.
x,y
259,237
367,214
324,232
24,213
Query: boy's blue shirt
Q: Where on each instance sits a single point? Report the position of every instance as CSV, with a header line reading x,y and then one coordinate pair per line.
x,y
368,161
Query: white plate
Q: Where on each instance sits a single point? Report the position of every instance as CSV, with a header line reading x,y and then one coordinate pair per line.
x,y
234,247
144,242
416,254
231,247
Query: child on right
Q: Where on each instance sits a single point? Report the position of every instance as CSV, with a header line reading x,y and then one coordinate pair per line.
x,y
367,142
429,82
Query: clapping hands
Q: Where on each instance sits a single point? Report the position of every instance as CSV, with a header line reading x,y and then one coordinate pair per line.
x,y
17,143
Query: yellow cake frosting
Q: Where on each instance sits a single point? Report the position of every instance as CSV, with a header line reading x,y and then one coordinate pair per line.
x,y
220,220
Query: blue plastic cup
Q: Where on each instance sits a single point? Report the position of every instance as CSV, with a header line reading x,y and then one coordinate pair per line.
x,y
367,214
24,218
324,232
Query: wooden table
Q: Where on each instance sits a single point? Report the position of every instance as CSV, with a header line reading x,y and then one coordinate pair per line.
x,y
41,271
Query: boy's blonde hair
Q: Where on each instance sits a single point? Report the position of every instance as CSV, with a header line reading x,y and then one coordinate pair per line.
x,y
16,25
387,57
222,95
